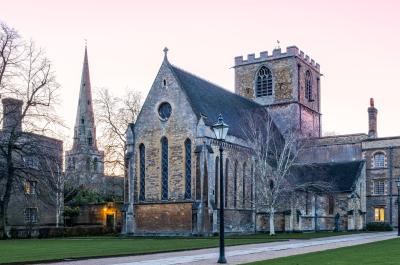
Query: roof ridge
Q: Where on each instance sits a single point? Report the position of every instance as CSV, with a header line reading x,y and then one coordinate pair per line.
x,y
212,83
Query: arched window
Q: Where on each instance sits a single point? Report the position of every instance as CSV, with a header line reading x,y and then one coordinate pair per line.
x,y
308,92
264,82
88,163
95,164
188,169
226,182
142,172
164,168
90,139
244,185
379,160
216,180
251,185
235,169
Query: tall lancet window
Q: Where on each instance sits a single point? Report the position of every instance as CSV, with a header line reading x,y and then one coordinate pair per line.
x,y
235,169
244,185
264,82
164,168
308,92
90,139
142,168
188,169
226,176
216,181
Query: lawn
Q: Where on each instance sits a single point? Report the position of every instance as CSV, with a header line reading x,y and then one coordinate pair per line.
x,y
29,250
382,253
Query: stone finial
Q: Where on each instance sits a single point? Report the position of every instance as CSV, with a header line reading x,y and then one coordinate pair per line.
x,y
371,102
165,52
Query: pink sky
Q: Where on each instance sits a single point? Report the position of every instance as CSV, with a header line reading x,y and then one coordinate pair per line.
x,y
357,44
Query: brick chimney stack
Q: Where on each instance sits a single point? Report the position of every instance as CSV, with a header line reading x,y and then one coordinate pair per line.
x,y
12,111
372,120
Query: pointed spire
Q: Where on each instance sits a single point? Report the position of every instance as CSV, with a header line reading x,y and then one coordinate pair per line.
x,y
85,130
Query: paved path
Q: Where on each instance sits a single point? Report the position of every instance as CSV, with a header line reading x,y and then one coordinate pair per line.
x,y
240,254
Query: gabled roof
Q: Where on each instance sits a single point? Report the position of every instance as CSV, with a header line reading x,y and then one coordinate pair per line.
x,y
210,100
338,177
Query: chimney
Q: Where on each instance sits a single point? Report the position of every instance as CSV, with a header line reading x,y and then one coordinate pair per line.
x,y
372,120
12,111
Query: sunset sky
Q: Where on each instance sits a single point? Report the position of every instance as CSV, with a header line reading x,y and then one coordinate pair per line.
x,y
357,44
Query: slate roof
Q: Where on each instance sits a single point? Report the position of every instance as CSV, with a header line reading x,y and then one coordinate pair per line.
x,y
210,100
340,176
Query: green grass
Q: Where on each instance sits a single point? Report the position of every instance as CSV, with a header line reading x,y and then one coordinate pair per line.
x,y
29,250
382,253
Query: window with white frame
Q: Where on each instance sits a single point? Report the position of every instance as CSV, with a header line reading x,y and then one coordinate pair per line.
x,y
379,187
379,160
31,215
31,162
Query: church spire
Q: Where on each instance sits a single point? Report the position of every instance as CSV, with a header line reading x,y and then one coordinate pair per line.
x,y
85,130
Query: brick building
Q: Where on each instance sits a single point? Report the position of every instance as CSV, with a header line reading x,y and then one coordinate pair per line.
x,y
172,158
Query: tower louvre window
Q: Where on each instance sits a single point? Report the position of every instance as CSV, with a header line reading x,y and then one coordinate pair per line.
x,y
308,92
142,161
264,82
164,168
188,169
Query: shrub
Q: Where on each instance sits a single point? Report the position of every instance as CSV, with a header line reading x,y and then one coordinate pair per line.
x,y
379,226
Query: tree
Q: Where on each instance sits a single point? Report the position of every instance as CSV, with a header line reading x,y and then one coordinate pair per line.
x,y
274,155
28,82
113,115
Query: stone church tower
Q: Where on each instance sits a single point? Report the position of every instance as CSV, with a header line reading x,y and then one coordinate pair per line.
x,y
84,162
288,83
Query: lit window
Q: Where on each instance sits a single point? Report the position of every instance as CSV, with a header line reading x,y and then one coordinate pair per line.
x,y
142,168
379,160
31,215
308,92
188,169
30,187
164,168
379,187
264,82
379,214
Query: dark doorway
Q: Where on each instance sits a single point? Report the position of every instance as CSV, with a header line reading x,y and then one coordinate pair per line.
x,y
110,221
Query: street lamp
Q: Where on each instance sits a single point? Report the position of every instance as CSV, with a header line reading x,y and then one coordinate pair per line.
x,y
221,130
398,206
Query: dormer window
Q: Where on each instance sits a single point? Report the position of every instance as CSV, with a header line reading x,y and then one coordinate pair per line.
x,y
264,82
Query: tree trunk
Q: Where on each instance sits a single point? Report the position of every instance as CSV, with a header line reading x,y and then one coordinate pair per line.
x,y
272,221
7,195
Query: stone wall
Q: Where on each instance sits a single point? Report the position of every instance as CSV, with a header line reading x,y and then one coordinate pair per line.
x,y
164,218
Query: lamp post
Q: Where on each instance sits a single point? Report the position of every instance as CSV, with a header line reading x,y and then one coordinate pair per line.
x,y
398,206
221,130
